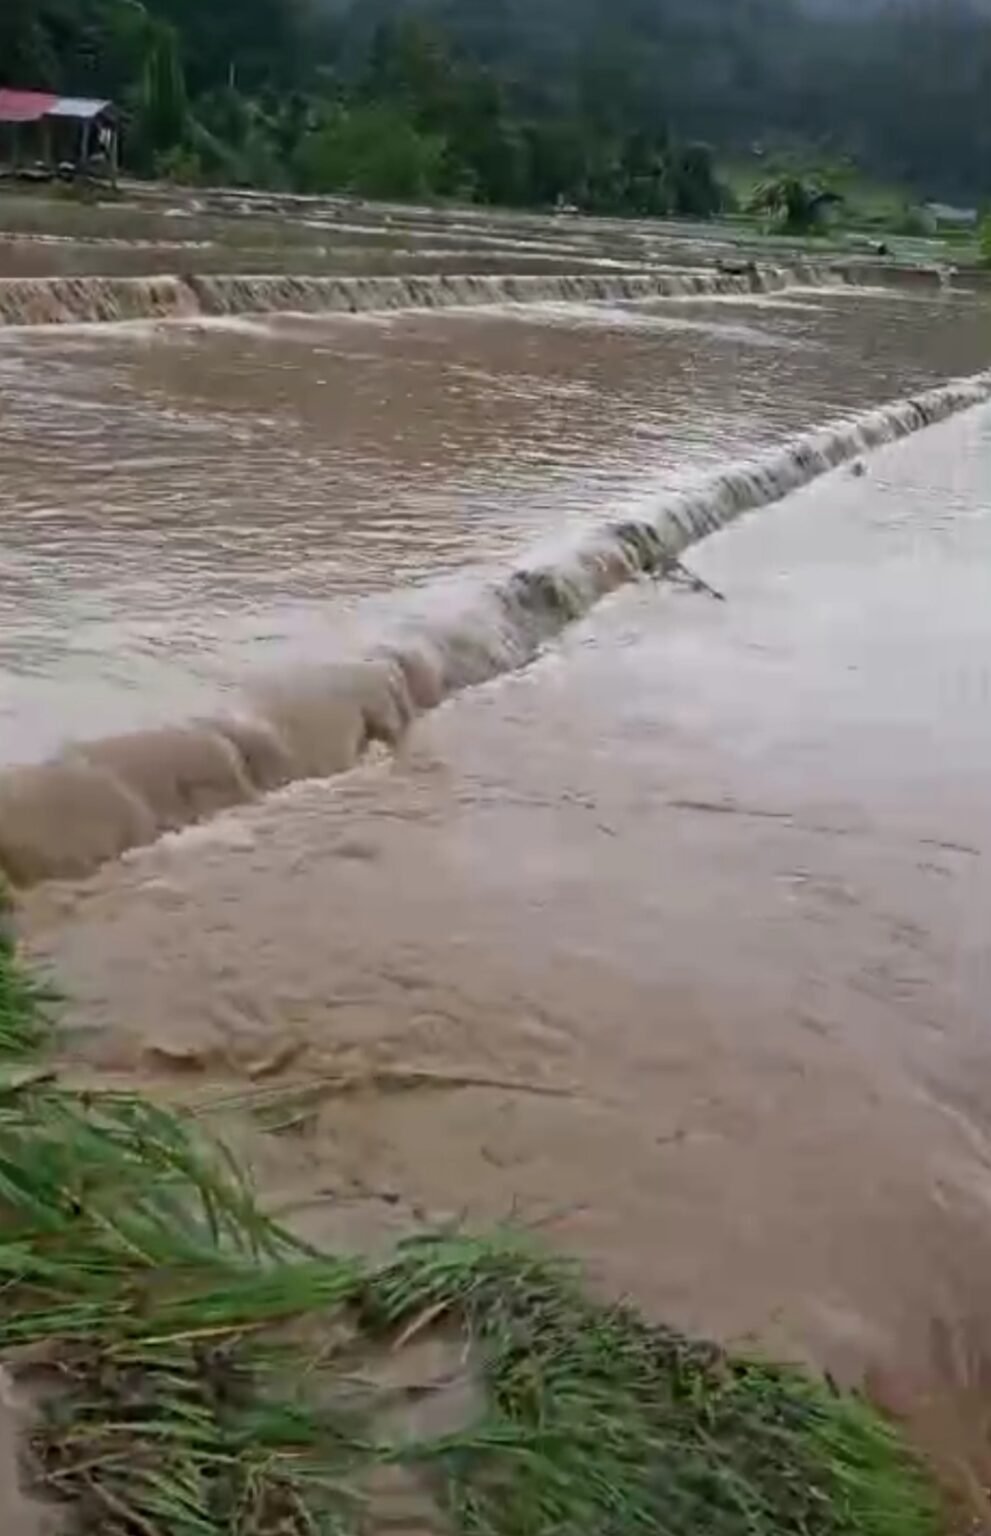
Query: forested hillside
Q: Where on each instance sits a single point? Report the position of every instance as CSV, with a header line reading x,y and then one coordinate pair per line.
x,y
603,103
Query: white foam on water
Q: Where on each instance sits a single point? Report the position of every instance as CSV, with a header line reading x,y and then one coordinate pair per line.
x,y
97,300
98,799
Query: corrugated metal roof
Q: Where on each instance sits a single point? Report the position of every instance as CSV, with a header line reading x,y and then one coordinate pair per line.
x,y
78,106
25,106
32,106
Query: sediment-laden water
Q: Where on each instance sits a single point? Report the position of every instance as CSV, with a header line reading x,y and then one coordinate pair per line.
x,y
95,299
227,501
664,932
103,796
671,943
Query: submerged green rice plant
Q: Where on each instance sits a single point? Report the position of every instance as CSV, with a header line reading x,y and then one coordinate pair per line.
x,y
24,1024
601,1423
196,1382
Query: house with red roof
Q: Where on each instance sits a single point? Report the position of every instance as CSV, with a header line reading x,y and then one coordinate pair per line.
x,y
44,135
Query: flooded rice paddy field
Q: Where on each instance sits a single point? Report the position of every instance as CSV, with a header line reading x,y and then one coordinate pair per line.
x,y
219,501
143,232
146,229
671,943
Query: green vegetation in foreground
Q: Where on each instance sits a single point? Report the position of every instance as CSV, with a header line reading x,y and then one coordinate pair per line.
x,y
203,1363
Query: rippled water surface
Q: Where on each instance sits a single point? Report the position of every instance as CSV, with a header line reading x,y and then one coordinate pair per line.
x,y
676,942
671,943
182,506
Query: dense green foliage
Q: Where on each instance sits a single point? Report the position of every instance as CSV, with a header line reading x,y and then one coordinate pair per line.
x,y
272,93
603,105
199,1373
795,203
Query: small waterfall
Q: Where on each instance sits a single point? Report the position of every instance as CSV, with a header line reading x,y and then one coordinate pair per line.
x,y
97,799
89,300
242,295
74,300
92,300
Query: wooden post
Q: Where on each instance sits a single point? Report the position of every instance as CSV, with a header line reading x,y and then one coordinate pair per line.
x,y
114,154
84,145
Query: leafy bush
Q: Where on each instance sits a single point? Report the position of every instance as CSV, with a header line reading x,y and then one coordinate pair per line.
x,y
796,204
374,150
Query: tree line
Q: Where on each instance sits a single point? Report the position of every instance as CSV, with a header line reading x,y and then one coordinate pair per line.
x,y
607,105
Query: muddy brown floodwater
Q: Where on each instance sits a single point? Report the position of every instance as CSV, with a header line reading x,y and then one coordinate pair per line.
x,y
672,944
185,507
